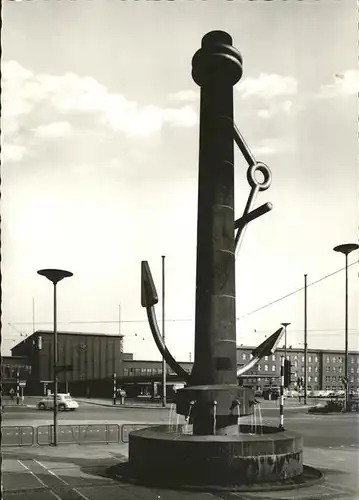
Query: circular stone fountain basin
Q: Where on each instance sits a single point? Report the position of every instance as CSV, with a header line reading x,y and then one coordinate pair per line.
x,y
173,456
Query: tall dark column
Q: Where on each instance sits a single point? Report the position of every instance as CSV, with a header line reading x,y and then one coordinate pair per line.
x,y
217,66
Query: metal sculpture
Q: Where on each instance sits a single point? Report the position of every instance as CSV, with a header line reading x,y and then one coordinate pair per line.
x,y
214,449
216,67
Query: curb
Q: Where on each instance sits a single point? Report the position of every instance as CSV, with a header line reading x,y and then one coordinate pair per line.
x,y
121,407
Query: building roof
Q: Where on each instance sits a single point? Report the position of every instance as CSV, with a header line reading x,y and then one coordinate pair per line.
x,y
300,349
61,332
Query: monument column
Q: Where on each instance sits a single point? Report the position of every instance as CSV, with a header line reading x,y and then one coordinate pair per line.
x,y
217,66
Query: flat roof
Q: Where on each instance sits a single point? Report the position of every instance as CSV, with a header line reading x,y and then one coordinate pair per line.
x,y
62,332
71,332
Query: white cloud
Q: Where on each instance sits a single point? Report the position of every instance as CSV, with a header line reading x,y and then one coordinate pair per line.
x,y
265,113
42,106
270,146
275,108
267,86
12,153
184,96
345,83
56,129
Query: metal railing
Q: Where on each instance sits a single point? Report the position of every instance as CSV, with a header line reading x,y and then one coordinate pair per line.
x,y
17,435
68,434
79,434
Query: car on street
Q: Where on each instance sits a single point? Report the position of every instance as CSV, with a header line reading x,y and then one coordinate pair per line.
x,y
64,402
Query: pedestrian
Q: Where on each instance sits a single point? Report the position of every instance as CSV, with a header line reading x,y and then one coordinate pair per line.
x,y
12,393
122,396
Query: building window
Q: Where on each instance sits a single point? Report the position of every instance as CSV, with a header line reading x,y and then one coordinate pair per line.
x,y
295,357
302,368
340,359
351,379
315,379
315,368
244,355
295,363
302,359
327,378
351,370
327,359
334,359
259,368
309,368
334,379
273,368
352,360
273,357
316,359
327,387
334,368
309,378
265,358
310,359
125,372
266,367
340,369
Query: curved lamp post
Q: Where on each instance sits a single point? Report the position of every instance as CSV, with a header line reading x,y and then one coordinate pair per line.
x,y
55,275
346,249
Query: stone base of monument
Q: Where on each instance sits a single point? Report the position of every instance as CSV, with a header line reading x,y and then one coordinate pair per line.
x,y
169,456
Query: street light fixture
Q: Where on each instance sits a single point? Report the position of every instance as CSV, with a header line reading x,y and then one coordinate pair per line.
x,y
55,275
346,249
285,338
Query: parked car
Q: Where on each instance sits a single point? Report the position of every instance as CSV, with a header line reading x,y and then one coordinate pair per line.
x,y
292,394
64,402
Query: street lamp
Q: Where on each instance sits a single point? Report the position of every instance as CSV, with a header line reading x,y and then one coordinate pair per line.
x,y
285,338
346,249
55,275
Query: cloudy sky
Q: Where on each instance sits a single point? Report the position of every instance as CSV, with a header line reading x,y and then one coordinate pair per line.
x,y
100,161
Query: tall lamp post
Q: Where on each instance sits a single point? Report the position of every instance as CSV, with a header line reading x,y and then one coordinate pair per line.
x,y
55,275
346,249
285,338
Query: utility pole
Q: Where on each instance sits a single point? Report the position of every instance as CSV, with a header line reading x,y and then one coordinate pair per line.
x,y
164,366
114,389
17,387
305,339
33,315
119,319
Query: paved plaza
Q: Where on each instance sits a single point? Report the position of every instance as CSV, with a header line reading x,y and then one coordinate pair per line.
x,y
73,472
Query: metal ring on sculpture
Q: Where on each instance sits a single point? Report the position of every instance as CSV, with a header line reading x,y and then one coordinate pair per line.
x,y
265,170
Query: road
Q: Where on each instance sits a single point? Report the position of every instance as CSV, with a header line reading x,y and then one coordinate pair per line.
x,y
317,430
72,472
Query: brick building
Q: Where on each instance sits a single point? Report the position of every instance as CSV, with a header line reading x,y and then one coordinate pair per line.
x,y
94,358
325,368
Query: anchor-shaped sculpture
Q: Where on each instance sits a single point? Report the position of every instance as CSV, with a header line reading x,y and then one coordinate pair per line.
x,y
149,298
212,386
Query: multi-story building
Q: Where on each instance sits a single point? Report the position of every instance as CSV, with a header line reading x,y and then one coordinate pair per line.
x,y
14,369
84,357
325,368
95,357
